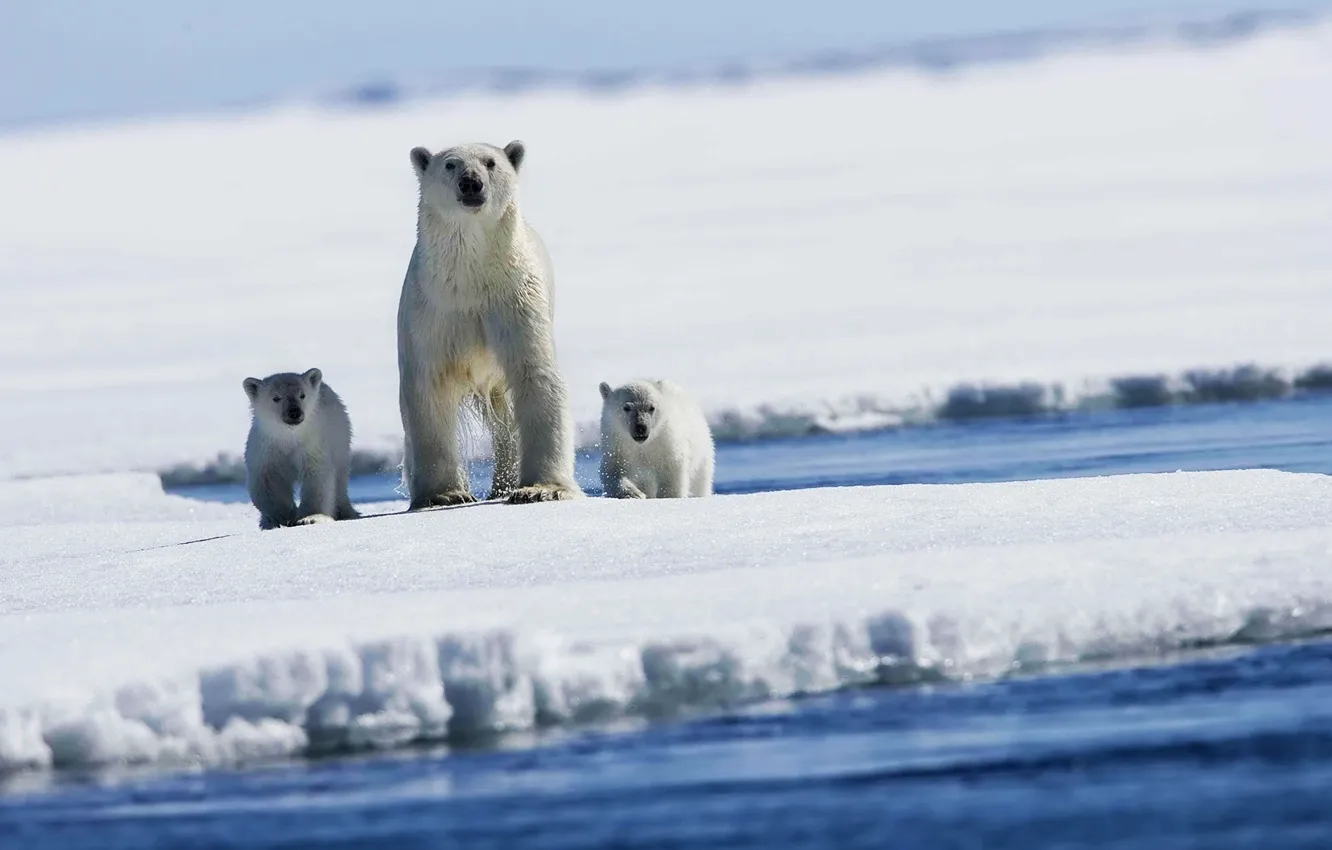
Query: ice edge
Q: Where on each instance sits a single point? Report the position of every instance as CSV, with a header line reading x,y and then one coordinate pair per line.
x,y
406,690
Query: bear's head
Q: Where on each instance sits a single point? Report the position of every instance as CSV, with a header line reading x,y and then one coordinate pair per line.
x,y
284,399
469,180
632,407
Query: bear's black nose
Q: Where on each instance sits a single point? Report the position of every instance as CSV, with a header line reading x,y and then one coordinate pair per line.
x,y
640,433
293,415
470,184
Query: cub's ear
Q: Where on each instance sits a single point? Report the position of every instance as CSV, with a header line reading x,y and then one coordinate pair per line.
x,y
251,387
605,390
515,151
313,377
420,160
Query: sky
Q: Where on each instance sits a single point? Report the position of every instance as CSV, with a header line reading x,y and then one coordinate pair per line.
x,y
71,59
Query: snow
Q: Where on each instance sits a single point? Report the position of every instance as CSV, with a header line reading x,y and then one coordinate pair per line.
x,y
141,627
780,248
842,251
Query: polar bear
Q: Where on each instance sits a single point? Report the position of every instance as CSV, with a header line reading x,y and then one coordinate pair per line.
x,y
299,432
475,326
655,442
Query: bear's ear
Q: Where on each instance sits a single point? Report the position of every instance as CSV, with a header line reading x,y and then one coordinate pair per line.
x,y
251,387
420,160
515,151
605,390
313,377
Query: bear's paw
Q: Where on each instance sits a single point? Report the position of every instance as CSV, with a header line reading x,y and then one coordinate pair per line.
x,y
447,499
543,493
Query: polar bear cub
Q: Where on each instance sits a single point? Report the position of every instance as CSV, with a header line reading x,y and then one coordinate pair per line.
x,y
299,433
476,327
655,442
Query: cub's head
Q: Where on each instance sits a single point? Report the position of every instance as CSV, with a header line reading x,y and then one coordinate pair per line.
x,y
286,398
632,407
469,180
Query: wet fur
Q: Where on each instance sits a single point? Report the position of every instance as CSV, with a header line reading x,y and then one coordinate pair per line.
x,y
316,453
475,327
675,461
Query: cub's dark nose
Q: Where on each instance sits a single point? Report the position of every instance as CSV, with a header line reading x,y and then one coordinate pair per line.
x,y
294,415
469,184
639,433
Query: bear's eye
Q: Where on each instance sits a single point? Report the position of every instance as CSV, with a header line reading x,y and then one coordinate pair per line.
x,y
490,163
628,408
651,409
448,166
277,399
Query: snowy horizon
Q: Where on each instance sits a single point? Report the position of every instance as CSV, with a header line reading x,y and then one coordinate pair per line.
x,y
64,63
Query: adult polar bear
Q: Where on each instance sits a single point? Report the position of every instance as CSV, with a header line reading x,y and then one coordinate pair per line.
x,y
475,322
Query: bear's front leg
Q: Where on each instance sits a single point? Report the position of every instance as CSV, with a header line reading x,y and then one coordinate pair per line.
x,y
674,483
436,476
701,482
623,488
615,481
271,489
521,340
318,493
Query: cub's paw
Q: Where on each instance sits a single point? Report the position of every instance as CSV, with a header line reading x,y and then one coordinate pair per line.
x,y
314,519
447,499
543,493
627,489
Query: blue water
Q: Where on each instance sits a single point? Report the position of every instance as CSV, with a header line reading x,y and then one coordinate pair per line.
x,y
1295,436
1233,751
1223,749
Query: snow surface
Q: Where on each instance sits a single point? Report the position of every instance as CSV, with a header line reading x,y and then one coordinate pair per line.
x,y
141,627
841,249
799,245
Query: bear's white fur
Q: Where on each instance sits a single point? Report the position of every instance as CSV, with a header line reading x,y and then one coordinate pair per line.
x,y
655,442
475,324
299,432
